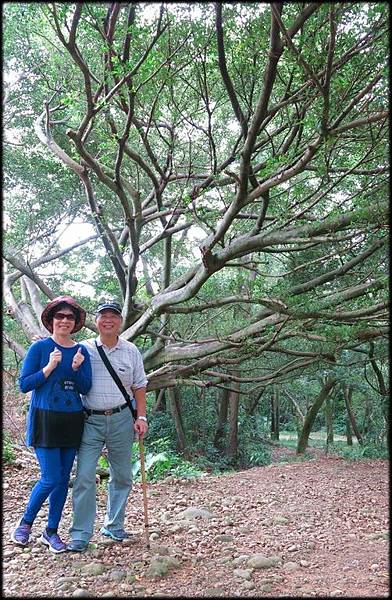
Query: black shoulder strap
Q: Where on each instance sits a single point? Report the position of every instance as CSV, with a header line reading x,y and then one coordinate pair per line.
x,y
116,379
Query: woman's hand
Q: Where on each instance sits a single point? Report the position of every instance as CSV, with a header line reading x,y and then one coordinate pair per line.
x,y
77,359
54,359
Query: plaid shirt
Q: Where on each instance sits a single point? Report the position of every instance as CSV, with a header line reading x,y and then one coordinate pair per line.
x,y
127,362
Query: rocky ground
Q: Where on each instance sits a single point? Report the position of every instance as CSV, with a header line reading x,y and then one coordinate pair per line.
x,y
296,529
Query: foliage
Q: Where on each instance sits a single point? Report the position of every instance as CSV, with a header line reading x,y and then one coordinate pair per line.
x,y
370,450
253,449
305,457
162,462
207,457
8,449
161,427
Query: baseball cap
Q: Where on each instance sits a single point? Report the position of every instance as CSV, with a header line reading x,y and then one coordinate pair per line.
x,y
109,305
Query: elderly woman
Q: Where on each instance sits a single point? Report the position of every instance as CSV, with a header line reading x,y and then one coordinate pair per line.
x,y
57,370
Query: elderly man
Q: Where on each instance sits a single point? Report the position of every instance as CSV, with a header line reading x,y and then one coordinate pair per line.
x,y
109,422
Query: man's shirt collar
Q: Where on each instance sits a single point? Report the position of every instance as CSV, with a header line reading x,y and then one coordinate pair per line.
x,y
100,343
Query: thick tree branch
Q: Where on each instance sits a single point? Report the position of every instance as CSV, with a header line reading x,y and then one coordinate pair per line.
x,y
223,69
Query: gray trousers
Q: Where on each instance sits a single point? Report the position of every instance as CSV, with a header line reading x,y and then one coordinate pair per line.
x,y
116,432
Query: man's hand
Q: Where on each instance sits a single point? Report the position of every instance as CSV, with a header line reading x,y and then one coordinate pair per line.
x,y
77,359
141,428
37,337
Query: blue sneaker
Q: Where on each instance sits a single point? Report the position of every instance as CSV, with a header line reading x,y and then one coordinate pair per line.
x,y
118,534
21,534
77,546
54,542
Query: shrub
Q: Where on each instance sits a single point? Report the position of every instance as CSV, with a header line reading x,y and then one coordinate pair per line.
x,y
209,458
161,461
259,455
8,449
161,427
306,456
252,448
372,450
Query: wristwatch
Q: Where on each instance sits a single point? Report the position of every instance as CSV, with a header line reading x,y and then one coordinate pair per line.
x,y
143,419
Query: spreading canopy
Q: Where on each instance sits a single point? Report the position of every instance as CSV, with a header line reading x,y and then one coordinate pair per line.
x,y
232,159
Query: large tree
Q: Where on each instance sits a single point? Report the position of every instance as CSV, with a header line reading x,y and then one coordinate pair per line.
x,y
232,159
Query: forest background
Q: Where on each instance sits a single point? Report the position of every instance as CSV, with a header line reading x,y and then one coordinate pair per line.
x,y
222,171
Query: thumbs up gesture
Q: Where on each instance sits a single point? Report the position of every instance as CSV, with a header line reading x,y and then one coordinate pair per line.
x,y
54,358
77,359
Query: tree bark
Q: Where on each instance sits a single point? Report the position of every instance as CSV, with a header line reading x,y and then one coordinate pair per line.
x,y
175,409
312,414
275,406
383,388
298,414
13,345
367,417
232,447
349,436
254,403
328,410
160,401
222,419
348,390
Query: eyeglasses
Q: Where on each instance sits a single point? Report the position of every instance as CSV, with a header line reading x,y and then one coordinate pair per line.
x,y
60,316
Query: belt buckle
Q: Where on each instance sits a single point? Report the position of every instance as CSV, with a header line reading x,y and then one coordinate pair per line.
x,y
109,412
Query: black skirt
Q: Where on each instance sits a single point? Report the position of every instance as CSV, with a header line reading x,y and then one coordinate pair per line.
x,y
55,429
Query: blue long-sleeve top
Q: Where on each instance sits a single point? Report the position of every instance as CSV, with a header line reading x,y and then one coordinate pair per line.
x,y
55,417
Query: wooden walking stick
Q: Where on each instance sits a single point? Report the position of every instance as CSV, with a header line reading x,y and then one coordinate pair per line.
x,y
144,486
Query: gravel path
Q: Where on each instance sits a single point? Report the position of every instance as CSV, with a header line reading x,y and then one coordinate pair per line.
x,y
316,528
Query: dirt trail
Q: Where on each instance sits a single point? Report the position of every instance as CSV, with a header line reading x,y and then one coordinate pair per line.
x,y
322,522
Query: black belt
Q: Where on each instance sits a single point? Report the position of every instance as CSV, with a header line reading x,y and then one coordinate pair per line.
x,y
108,412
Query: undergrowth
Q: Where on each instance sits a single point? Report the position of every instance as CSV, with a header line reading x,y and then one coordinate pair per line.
x,y
162,462
8,449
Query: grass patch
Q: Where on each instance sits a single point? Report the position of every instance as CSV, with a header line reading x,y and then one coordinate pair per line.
x,y
369,449
305,457
364,451
317,439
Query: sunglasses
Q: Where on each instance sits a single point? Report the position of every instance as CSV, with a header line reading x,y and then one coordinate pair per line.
x,y
59,316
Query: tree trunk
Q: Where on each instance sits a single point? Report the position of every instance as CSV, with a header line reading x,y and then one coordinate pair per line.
x,y
232,447
297,412
348,431
175,409
254,403
222,419
328,411
367,417
348,391
160,401
35,300
383,390
275,413
312,414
